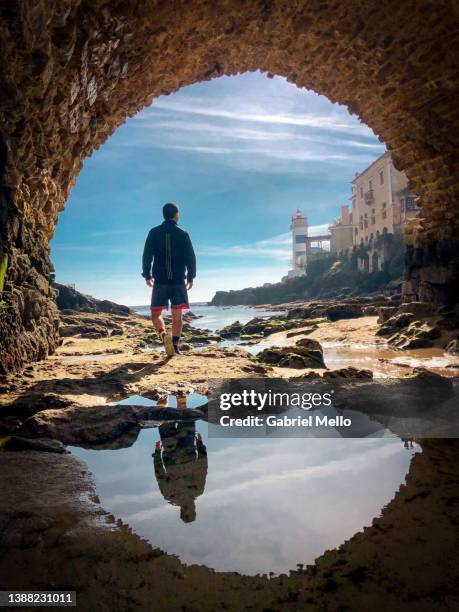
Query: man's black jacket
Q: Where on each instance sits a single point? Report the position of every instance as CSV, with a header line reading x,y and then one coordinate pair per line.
x,y
171,251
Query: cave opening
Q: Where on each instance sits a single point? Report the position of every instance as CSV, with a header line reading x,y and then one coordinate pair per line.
x,y
69,85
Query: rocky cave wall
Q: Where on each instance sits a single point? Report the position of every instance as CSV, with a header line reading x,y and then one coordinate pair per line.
x,y
73,70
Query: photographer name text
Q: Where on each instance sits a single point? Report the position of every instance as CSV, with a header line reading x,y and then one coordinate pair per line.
x,y
285,421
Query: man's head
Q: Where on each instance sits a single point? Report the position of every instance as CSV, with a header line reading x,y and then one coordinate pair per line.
x,y
170,212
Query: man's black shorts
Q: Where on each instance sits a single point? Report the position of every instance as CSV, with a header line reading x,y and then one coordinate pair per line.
x,y
162,294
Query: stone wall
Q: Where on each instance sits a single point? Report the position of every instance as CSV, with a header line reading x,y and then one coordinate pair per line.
x,y
73,70
28,314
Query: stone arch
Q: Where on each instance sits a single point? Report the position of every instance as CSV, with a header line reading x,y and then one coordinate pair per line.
x,y
375,262
73,70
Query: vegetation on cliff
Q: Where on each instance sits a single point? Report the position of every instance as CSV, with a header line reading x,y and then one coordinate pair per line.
x,y
327,277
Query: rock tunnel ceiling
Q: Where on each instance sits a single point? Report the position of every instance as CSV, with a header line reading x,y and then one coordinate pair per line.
x,y
72,71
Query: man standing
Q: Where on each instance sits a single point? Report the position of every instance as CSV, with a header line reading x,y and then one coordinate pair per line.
x,y
172,254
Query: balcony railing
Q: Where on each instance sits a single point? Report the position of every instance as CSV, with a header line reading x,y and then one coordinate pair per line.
x,y
369,196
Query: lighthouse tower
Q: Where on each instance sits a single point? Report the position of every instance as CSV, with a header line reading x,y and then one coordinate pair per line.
x,y
299,227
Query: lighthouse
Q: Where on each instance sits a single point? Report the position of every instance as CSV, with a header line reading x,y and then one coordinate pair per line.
x,y
299,227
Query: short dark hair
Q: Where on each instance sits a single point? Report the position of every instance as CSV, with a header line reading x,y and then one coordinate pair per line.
x,y
169,211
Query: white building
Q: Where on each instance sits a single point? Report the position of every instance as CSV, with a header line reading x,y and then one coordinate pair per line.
x,y
299,227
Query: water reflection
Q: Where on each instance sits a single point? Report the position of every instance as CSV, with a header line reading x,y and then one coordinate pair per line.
x,y
247,505
180,460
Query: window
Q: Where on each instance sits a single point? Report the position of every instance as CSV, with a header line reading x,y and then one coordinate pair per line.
x,y
381,177
384,204
370,184
410,203
361,192
366,223
373,220
300,239
356,231
384,214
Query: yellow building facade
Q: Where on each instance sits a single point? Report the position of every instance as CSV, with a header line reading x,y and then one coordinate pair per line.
x,y
381,205
342,232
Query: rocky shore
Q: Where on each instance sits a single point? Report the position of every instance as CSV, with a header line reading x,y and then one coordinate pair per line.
x,y
71,399
105,356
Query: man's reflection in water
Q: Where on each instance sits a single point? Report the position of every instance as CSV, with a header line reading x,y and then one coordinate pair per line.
x,y
180,461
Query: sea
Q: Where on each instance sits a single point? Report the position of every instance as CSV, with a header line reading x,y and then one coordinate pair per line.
x,y
216,317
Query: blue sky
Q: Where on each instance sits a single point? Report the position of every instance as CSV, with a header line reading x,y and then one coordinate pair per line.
x,y
239,155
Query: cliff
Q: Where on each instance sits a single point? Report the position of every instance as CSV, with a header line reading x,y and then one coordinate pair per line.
x,y
69,298
326,278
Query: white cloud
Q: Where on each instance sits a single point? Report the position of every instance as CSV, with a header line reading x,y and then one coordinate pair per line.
x,y
253,134
195,106
284,154
271,135
278,247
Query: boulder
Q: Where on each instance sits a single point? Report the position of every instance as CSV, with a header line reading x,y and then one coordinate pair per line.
x,y
309,343
370,311
95,425
421,310
304,356
307,375
84,330
416,335
396,323
17,443
343,311
229,331
302,332
9,424
385,312
291,360
349,372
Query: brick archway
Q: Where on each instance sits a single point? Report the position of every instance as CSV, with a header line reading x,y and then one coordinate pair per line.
x,y
73,70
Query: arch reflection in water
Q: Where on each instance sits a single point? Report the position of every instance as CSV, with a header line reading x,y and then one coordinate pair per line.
x,y
252,505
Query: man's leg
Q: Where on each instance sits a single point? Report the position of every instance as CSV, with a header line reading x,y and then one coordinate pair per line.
x,y
159,301
158,322
179,302
166,339
177,324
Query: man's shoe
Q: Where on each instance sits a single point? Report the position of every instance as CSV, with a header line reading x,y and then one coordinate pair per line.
x,y
168,345
177,350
